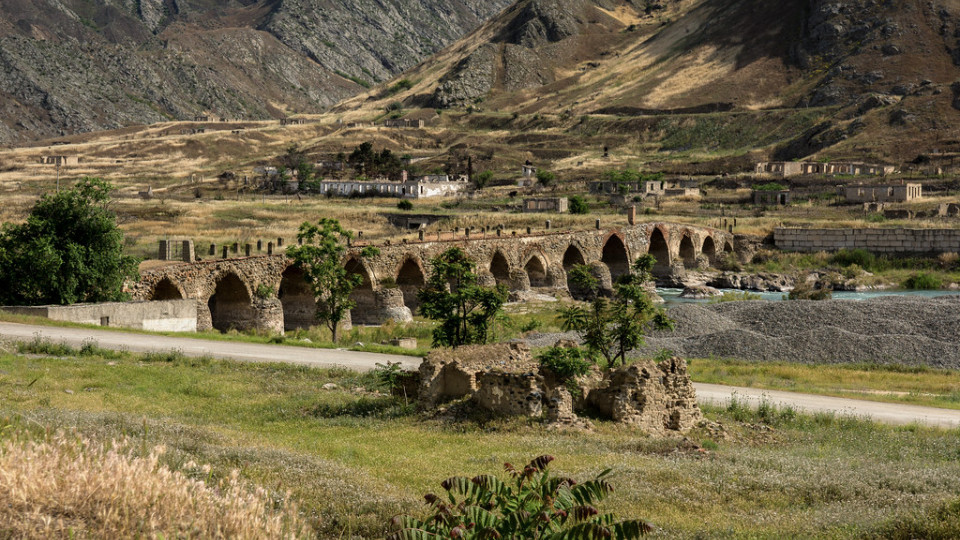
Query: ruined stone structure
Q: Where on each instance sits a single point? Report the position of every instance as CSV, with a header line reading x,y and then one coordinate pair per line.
x,y
63,161
648,188
557,205
763,197
505,380
863,193
226,288
417,188
892,241
403,123
785,169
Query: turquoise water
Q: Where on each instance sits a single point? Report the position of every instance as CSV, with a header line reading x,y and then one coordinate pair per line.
x,y
672,296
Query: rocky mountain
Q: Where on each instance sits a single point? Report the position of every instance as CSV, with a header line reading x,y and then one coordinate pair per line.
x,y
887,68
70,66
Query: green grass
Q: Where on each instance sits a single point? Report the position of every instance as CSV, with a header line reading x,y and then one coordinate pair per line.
x,y
355,459
916,385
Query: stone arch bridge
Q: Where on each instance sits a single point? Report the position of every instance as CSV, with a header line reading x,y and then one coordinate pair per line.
x,y
269,293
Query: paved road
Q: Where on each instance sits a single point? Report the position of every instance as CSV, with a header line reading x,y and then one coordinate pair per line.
x,y
254,352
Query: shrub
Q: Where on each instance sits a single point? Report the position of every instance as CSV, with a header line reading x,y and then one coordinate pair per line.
x,y
264,291
804,290
566,362
876,218
923,281
404,204
859,257
545,177
483,179
578,205
68,484
400,86
745,296
531,504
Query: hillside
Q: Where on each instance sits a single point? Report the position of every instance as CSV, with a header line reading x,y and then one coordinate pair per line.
x,y
878,72
72,66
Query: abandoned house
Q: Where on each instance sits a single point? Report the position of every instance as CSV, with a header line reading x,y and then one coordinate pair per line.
x,y
402,123
438,185
863,193
801,168
766,197
64,161
557,205
648,188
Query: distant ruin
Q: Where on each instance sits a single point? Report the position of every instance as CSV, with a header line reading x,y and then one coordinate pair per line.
x,y
785,169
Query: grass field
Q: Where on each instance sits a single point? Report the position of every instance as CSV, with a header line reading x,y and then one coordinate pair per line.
x,y
353,457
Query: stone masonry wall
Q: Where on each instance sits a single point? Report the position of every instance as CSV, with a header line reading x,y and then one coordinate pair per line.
x,y
891,241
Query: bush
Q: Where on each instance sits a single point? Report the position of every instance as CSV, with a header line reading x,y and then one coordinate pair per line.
x,y
745,296
566,362
483,179
400,86
545,177
849,257
404,204
578,205
876,218
923,282
531,504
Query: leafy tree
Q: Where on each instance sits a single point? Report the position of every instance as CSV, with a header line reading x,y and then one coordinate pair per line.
x,y
69,250
483,179
613,327
545,178
578,205
369,162
531,504
321,258
452,296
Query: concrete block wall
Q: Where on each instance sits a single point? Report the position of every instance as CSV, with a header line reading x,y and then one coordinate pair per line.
x,y
159,316
884,241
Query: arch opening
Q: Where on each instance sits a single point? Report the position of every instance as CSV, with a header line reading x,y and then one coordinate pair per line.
x,y
688,254
710,249
615,257
500,269
571,258
230,305
659,249
410,280
727,247
364,311
299,304
536,273
166,290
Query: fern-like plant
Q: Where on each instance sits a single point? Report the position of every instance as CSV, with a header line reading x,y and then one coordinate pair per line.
x,y
531,504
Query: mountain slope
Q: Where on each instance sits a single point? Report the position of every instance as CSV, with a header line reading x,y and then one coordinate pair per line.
x,y
69,66
887,65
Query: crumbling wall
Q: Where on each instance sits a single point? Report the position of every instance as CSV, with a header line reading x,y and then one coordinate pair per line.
x,y
447,374
654,397
510,394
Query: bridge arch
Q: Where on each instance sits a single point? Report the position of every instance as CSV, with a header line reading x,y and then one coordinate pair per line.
x,y
410,279
573,257
616,258
688,252
500,268
296,296
364,311
165,289
709,249
658,247
536,270
230,305
728,247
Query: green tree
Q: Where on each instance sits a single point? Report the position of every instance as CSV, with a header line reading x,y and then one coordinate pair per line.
x,y
483,179
545,177
321,258
530,504
612,327
452,296
404,204
69,250
578,205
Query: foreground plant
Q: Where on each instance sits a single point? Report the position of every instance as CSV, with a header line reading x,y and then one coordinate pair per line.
x,y
532,504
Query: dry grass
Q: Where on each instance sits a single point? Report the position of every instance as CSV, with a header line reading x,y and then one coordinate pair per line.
x,y
70,486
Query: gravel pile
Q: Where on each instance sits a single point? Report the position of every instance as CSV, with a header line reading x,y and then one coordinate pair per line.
x,y
903,330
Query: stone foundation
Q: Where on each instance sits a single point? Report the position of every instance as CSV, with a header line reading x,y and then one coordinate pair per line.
x,y
447,374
